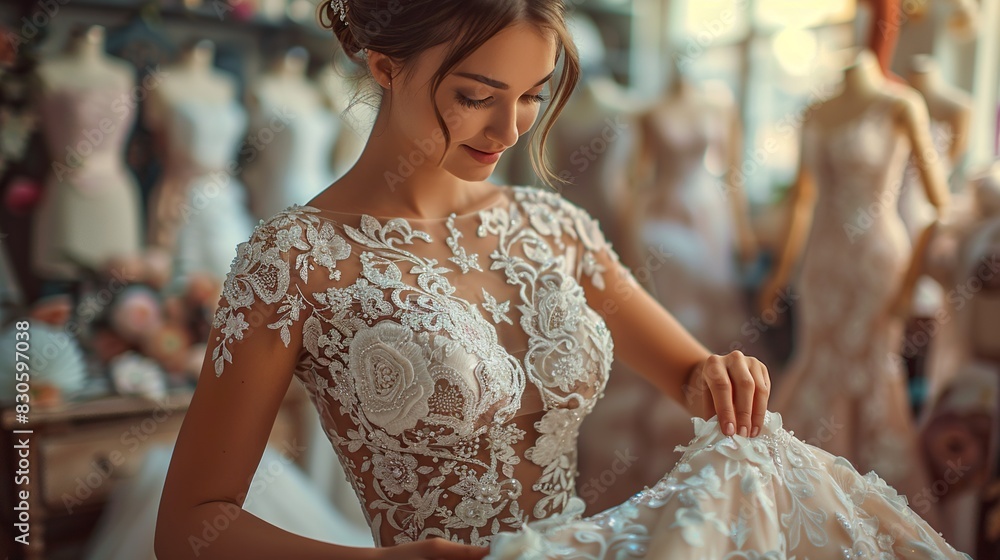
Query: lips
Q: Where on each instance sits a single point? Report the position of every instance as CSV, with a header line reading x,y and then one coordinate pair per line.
x,y
481,156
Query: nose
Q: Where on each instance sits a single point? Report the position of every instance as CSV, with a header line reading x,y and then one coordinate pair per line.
x,y
502,127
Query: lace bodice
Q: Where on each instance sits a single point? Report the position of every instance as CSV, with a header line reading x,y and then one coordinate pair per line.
x,y
451,360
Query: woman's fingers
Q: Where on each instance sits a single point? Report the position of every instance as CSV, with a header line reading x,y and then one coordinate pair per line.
x,y
744,385
720,386
762,393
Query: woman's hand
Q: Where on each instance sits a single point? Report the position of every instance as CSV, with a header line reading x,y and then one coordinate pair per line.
x,y
734,387
431,549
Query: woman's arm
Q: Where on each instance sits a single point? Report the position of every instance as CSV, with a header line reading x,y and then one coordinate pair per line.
x,y
216,454
651,341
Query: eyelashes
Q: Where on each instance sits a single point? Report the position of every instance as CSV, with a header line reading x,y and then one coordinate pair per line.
x,y
480,103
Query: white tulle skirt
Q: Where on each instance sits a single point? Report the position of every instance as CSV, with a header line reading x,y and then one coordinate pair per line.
x,y
280,494
770,497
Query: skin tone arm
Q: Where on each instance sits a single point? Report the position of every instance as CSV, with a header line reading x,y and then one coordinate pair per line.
x,y
651,341
916,123
900,306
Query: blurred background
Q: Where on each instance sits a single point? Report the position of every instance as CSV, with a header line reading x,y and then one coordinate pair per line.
x,y
724,146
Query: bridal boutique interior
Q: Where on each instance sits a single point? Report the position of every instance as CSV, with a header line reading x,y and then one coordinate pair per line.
x,y
812,182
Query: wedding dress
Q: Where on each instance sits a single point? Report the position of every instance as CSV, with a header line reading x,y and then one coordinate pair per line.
x,y
215,216
687,224
452,360
845,389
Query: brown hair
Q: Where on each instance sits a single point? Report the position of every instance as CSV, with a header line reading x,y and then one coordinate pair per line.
x,y
402,29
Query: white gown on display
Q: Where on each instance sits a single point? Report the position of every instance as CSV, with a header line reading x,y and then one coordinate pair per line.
x,y
217,217
90,210
844,389
279,494
688,227
451,362
301,156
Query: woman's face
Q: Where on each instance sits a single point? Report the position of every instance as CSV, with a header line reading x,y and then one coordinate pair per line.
x,y
488,100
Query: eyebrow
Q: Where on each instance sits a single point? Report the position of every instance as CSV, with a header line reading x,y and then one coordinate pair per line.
x,y
499,85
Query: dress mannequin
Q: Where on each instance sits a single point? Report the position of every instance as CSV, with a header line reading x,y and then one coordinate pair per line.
x,y
687,213
198,209
295,166
844,389
646,426
950,110
90,210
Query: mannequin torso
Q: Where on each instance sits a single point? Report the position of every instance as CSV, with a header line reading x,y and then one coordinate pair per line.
x,y
296,165
90,211
199,205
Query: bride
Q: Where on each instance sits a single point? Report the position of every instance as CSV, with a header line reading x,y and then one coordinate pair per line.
x,y
453,334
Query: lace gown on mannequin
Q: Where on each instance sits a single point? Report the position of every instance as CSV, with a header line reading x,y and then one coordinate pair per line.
x,y
90,211
296,165
451,362
844,389
688,226
206,134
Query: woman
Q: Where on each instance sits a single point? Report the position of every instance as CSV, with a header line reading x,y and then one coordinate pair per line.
x,y
448,332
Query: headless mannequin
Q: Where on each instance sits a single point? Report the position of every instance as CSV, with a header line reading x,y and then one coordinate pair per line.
x,y
596,110
191,76
693,131
863,84
90,211
945,103
846,337
685,126
296,165
950,110
199,125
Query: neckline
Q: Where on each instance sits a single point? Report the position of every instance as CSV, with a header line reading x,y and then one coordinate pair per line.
x,y
505,198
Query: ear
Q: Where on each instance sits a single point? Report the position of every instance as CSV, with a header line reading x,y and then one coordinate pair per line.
x,y
382,68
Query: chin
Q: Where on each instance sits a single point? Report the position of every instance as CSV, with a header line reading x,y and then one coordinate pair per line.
x,y
471,173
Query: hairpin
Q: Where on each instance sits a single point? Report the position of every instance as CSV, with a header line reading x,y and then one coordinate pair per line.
x,y
340,7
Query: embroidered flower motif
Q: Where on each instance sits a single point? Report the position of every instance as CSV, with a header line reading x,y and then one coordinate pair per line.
x,y
392,376
543,219
559,307
559,431
395,471
473,512
287,238
235,326
499,310
328,247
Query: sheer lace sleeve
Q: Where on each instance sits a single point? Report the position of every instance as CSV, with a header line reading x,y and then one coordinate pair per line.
x,y
262,297
596,261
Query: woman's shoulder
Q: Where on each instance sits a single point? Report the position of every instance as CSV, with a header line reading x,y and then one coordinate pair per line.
x,y
290,246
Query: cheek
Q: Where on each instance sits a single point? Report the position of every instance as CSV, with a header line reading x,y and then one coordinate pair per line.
x,y
464,123
526,117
